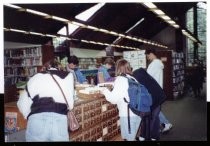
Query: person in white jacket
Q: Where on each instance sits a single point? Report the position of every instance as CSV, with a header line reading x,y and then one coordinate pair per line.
x,y
44,106
117,95
155,69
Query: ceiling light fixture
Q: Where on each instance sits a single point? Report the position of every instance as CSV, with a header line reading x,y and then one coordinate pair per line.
x,y
12,6
149,5
16,30
35,33
87,26
165,17
36,12
169,20
66,37
48,17
158,11
22,10
60,19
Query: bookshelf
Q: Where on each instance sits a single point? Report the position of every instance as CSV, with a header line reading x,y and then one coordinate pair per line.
x,y
178,73
174,73
20,63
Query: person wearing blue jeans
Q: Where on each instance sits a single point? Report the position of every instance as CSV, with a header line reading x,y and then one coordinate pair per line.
x,y
155,69
164,122
43,105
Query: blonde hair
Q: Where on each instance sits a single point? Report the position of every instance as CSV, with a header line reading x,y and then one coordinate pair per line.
x,y
123,67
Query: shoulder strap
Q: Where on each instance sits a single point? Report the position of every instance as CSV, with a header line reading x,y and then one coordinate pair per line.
x,y
128,111
60,89
124,75
27,91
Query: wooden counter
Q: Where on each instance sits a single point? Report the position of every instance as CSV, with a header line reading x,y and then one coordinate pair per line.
x,y
98,119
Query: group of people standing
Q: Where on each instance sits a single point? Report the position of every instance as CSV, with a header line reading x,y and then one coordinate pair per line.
x,y
120,91
42,104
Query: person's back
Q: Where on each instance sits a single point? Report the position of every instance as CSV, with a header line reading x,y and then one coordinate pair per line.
x,y
118,96
157,93
43,105
155,69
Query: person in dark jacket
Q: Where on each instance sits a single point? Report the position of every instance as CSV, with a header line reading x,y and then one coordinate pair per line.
x,y
155,69
158,97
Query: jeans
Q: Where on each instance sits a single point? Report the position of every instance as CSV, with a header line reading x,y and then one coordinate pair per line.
x,y
47,126
134,123
163,119
155,124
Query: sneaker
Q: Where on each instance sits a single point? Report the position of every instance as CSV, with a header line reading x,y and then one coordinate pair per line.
x,y
167,127
141,138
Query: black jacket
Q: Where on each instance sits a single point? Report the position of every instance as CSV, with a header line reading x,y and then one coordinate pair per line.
x,y
158,95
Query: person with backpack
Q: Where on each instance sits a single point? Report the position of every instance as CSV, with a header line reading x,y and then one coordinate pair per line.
x,y
155,69
118,95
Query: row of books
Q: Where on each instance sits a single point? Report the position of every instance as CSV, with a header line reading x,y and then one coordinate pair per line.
x,y
23,52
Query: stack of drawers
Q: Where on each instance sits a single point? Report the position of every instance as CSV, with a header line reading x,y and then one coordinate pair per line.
x,y
98,119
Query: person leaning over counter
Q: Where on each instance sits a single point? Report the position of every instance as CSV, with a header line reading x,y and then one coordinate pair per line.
x,y
72,67
103,74
43,104
117,95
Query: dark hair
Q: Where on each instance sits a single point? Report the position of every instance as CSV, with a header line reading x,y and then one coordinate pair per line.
x,y
51,63
123,67
73,59
109,61
150,50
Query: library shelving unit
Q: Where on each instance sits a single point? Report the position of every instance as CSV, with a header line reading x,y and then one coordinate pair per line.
x,y
174,73
22,63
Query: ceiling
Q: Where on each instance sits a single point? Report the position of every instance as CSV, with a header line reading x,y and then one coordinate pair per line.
x,y
118,17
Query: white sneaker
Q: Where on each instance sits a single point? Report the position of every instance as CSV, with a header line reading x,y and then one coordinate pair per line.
x,y
167,127
141,138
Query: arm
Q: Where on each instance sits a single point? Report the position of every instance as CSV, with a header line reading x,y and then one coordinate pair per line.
x,y
119,91
103,75
156,71
81,78
24,103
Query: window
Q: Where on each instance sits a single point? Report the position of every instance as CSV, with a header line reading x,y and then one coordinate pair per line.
x,y
84,16
201,31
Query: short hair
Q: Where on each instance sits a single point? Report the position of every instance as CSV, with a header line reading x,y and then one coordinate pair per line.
x,y
150,50
109,61
123,67
51,63
73,59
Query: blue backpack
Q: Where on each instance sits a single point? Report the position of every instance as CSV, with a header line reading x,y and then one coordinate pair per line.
x,y
140,98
